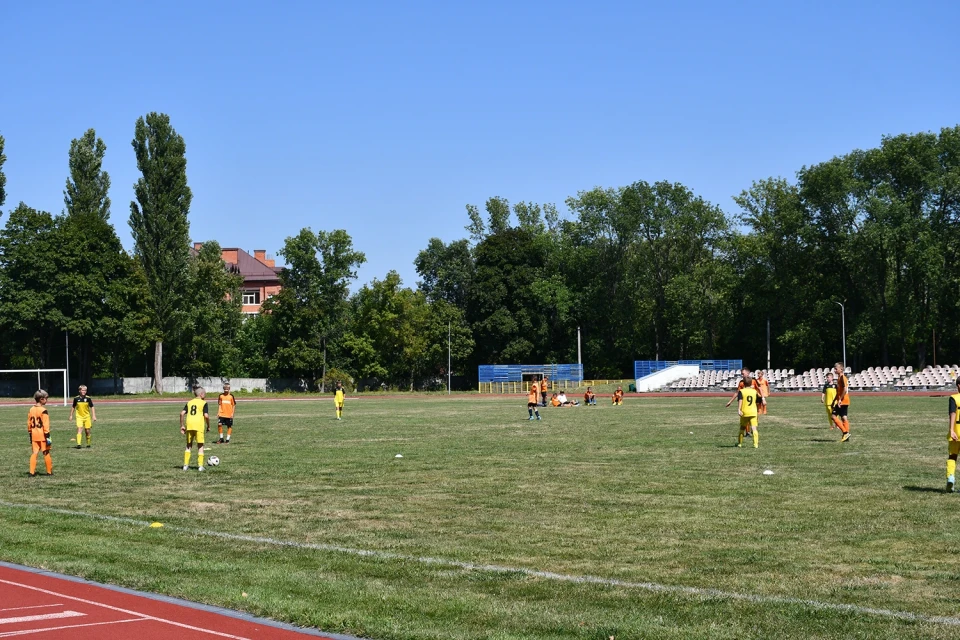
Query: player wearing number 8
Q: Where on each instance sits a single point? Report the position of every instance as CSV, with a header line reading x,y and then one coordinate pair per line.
x,y
194,417
748,400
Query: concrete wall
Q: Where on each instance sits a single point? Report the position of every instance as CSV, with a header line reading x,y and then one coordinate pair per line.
x,y
53,383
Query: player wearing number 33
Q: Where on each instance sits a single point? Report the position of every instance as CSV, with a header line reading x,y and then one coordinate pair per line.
x,y
748,400
194,417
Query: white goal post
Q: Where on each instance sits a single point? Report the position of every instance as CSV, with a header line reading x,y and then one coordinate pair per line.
x,y
38,372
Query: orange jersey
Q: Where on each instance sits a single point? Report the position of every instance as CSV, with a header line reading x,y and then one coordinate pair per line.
x,y
764,387
38,423
618,395
228,405
753,383
534,395
843,389
555,402
589,396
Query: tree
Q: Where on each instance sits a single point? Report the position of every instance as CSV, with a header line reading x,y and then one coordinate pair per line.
x,y
161,230
309,313
214,316
92,255
3,177
446,270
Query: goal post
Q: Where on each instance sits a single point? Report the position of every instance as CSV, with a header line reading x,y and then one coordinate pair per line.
x,y
63,372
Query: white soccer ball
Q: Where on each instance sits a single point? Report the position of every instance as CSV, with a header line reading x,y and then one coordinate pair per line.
x,y
213,461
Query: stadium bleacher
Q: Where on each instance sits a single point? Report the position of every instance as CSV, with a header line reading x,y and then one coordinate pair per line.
x,y
722,380
930,378
870,379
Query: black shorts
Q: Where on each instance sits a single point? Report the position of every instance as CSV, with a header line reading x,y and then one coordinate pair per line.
x,y
840,410
225,422
531,405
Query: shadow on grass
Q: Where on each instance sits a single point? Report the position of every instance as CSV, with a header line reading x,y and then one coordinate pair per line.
x,y
825,440
923,489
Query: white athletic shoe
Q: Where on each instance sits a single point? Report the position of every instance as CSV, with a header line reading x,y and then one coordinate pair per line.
x,y
199,468
185,467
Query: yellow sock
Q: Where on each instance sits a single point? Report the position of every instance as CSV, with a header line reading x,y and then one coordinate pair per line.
x,y
88,437
200,459
186,457
740,437
951,467
78,438
756,437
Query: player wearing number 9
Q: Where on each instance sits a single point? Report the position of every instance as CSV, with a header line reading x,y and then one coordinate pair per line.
x,y
748,400
193,418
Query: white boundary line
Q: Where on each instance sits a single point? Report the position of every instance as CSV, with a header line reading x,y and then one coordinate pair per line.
x,y
143,616
699,592
27,632
35,606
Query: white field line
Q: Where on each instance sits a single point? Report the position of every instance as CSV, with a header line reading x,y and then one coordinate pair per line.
x,y
42,616
142,616
35,606
698,592
27,632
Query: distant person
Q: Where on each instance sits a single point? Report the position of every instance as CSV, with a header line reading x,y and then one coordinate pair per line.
x,y
748,407
197,415
827,396
589,398
83,406
533,397
338,398
953,440
618,396
554,401
763,386
562,397
544,385
226,407
841,403
38,426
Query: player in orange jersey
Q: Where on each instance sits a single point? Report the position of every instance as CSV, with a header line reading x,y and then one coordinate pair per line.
x,y
544,385
589,398
38,426
227,405
763,386
532,398
618,396
745,381
841,403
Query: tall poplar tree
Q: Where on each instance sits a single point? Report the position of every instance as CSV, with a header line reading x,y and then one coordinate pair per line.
x,y
3,178
158,220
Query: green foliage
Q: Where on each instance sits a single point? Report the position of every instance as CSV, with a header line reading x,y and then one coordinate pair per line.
x,y
3,177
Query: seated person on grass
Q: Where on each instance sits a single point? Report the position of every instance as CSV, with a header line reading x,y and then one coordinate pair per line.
x,y
566,403
618,396
590,397
554,402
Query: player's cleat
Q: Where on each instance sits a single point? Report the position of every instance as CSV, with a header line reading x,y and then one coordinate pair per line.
x,y
846,437
739,445
78,447
32,475
200,469
756,446
950,484
88,446
220,441
539,418
185,467
531,418
50,474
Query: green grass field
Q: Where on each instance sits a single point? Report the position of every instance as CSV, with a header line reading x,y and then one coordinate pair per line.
x,y
652,492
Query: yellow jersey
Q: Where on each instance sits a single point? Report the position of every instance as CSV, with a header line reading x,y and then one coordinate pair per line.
x,y
195,410
749,399
82,406
338,396
829,393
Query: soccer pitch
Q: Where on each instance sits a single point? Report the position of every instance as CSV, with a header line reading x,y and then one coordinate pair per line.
x,y
640,521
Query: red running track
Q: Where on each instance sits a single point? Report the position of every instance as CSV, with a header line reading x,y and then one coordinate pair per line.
x,y
58,608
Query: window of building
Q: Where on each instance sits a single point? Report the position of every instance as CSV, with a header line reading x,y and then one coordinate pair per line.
x,y
251,297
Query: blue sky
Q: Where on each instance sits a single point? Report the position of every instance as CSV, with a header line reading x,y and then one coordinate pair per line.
x,y
387,118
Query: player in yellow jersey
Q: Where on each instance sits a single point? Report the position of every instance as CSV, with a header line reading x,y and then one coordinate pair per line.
x,y
827,396
38,426
748,402
953,439
83,406
338,399
226,406
193,418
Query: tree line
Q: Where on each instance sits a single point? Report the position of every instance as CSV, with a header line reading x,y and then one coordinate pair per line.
x,y
643,271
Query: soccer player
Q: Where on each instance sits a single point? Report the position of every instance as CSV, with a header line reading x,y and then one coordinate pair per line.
x,y
554,401
827,396
745,381
841,403
590,398
338,399
618,396
953,439
747,408
83,406
226,406
38,426
763,385
197,415
543,390
532,398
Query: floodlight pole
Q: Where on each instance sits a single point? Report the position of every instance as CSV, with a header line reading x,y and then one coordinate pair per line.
x,y
449,325
843,330
66,336
768,343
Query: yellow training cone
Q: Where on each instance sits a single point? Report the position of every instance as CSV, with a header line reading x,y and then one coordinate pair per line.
x,y
156,525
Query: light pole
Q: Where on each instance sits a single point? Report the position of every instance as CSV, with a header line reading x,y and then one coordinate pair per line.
x,y
843,330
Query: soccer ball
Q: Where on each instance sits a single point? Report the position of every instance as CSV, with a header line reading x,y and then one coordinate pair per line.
x,y
213,461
